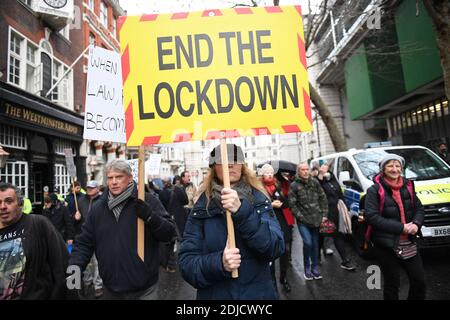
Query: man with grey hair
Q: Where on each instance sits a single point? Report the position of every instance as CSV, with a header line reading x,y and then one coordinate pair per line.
x,y
110,231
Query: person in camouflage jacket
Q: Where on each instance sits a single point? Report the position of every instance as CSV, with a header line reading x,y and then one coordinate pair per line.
x,y
308,203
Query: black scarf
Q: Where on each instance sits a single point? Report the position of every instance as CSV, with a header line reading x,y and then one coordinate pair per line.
x,y
117,203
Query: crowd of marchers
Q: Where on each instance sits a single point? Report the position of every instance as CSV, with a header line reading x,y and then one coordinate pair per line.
x,y
185,229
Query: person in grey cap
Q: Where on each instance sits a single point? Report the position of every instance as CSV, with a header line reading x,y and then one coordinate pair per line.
x,y
205,259
395,215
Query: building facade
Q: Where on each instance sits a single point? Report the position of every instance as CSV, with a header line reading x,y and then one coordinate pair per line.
x,y
386,66
37,122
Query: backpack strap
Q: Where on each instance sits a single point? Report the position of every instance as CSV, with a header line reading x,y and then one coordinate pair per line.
x,y
381,197
381,194
410,188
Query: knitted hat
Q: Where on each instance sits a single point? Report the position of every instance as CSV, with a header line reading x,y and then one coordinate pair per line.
x,y
267,168
388,157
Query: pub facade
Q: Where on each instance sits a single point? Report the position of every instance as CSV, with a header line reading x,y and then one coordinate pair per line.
x,y
39,115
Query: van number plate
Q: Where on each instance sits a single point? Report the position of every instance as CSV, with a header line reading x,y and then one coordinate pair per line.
x,y
443,231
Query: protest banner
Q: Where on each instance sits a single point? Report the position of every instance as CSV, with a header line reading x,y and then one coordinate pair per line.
x,y
134,164
104,116
153,164
191,76
214,74
72,171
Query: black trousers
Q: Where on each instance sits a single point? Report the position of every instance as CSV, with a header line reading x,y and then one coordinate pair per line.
x,y
284,265
391,267
339,243
166,255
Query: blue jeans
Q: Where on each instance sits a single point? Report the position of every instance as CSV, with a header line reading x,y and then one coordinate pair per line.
x,y
310,237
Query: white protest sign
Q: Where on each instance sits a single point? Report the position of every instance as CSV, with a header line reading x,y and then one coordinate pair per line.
x,y
134,164
71,169
153,165
104,117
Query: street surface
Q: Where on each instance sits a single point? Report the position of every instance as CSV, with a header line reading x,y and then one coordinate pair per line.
x,y
337,283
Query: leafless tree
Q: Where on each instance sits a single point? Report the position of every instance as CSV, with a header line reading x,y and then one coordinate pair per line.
x,y
439,12
312,27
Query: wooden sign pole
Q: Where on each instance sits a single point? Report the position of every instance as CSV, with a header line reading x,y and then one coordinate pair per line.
x,y
74,193
226,184
141,195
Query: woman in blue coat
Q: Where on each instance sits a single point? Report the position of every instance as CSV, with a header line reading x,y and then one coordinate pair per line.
x,y
205,261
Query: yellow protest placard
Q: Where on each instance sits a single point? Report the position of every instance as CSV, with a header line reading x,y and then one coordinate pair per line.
x,y
190,76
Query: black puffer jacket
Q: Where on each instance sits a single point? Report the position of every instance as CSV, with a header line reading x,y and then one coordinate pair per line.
x,y
387,226
333,191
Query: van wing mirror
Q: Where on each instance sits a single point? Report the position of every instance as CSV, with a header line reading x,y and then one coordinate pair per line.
x,y
344,176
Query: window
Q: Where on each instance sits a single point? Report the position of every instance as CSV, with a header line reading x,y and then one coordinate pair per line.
x,y
91,4
104,14
34,69
59,94
15,58
91,39
275,152
52,71
65,32
62,179
114,27
345,165
16,173
62,144
274,139
12,137
56,74
445,108
27,2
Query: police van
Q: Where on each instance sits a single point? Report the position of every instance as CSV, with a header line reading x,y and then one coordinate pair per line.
x,y
355,170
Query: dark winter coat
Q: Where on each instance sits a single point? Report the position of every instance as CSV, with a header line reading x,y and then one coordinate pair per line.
x,y
115,244
258,237
278,195
333,192
177,203
62,220
85,204
70,199
387,226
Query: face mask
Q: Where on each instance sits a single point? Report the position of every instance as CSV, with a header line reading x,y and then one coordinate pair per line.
x,y
327,176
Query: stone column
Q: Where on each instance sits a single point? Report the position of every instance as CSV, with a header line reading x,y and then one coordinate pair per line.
x,y
121,149
99,167
111,152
